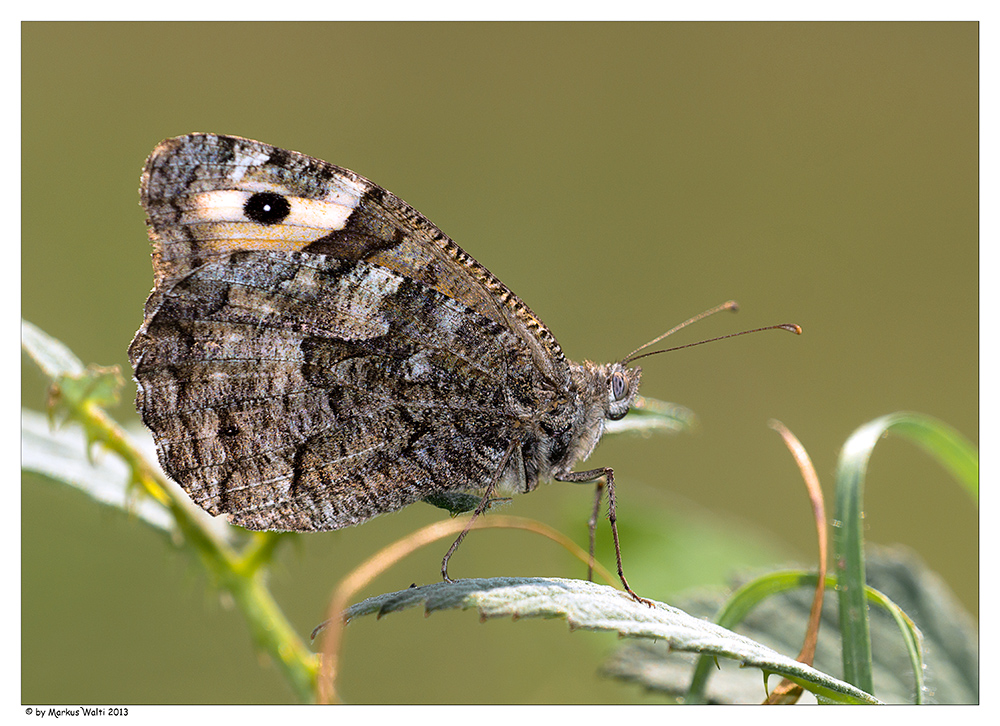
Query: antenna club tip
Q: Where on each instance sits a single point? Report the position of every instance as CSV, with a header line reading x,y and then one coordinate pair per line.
x,y
731,305
792,328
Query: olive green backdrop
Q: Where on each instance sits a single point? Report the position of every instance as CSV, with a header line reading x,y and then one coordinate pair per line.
x,y
619,178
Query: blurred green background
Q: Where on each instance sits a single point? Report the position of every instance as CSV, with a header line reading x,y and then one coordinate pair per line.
x,y
619,178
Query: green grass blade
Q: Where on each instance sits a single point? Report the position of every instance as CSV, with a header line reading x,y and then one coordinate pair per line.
x,y
951,449
911,637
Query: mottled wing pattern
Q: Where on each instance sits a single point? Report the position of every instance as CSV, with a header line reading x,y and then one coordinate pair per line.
x,y
315,352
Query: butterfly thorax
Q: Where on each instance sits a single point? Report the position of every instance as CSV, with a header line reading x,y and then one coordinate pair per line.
x,y
566,434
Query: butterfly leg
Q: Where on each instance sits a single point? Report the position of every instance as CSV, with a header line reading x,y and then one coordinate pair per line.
x,y
483,504
592,525
608,473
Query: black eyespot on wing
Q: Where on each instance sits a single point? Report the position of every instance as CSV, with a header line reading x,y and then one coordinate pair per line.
x,y
266,208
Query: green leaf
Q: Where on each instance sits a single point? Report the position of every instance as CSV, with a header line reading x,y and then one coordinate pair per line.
x,y
945,444
61,455
74,385
54,358
97,384
752,594
949,668
649,415
588,606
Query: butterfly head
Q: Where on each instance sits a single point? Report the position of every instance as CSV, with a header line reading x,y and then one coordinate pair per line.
x,y
622,386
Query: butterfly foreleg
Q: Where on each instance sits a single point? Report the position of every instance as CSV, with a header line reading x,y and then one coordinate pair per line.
x,y
608,475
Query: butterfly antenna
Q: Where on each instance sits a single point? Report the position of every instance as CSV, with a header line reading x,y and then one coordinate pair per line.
x,y
790,327
729,305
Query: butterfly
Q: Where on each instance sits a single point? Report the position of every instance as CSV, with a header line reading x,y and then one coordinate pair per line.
x,y
315,352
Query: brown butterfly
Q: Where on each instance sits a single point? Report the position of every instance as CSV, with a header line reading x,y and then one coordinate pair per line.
x,y
316,352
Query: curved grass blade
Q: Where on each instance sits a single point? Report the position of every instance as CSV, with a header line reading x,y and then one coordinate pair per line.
x,y
946,445
787,692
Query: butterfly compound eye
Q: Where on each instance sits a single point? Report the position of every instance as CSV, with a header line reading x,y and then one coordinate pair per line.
x,y
617,385
266,208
